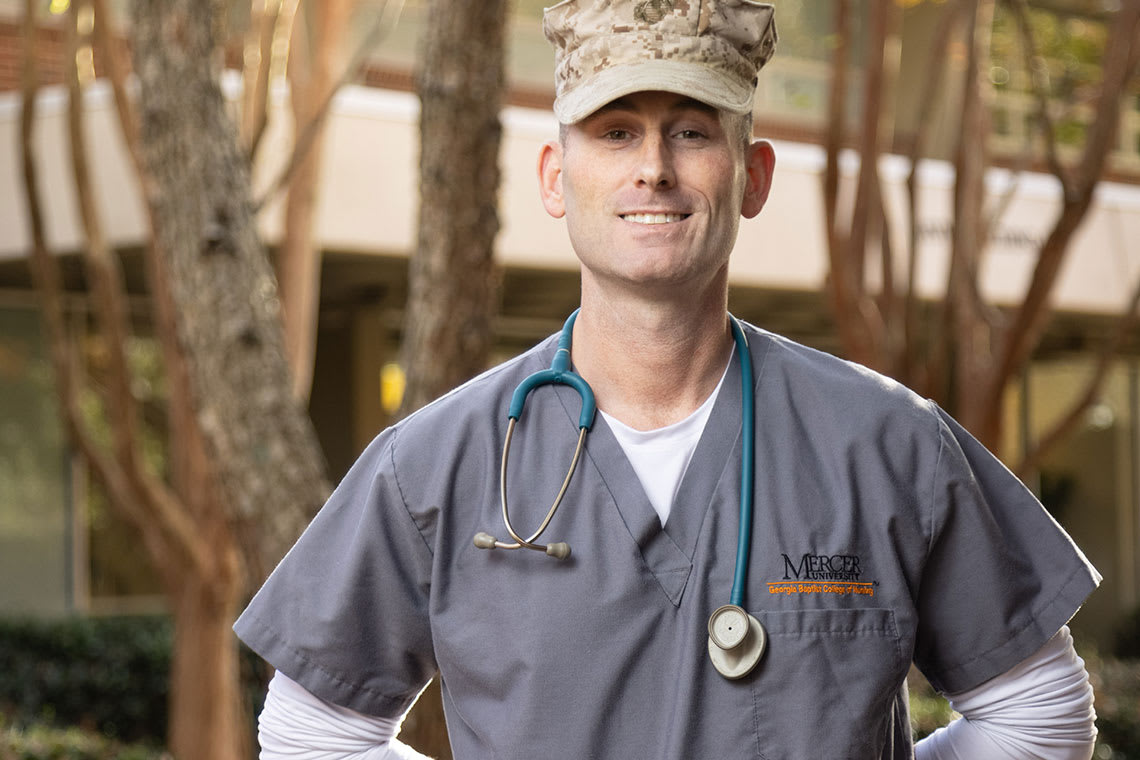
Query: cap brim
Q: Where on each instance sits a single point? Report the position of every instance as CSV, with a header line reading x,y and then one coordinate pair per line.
x,y
694,80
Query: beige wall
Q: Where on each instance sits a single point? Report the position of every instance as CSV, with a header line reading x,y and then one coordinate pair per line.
x,y
368,201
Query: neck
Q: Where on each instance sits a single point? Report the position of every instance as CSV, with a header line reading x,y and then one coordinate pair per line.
x,y
651,363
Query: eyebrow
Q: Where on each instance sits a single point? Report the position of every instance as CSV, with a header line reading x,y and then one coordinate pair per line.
x,y
684,103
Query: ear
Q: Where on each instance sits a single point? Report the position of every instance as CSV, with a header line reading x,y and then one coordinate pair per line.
x,y
759,164
550,179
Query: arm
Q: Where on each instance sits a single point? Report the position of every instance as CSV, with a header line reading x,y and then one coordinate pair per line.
x,y
296,725
1041,708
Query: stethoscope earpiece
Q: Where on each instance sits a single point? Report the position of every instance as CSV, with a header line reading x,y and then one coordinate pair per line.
x,y
558,549
485,540
736,641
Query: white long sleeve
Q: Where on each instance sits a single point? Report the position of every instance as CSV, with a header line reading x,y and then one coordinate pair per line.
x,y
1042,708
297,725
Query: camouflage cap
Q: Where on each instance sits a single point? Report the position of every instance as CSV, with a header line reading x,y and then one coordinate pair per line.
x,y
710,50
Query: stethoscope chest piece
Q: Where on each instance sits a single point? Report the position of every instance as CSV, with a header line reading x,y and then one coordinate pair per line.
x,y
736,641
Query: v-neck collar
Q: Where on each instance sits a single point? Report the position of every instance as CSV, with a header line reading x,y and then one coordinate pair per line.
x,y
668,551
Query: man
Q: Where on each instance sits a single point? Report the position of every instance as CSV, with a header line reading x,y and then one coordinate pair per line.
x,y
882,533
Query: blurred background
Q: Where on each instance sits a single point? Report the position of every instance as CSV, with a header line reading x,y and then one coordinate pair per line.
x,y
239,238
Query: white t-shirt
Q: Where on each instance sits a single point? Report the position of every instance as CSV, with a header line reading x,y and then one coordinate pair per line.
x,y
660,457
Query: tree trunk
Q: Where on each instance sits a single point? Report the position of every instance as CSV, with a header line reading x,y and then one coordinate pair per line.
x,y
453,288
221,283
206,716
246,465
313,75
184,529
971,334
205,677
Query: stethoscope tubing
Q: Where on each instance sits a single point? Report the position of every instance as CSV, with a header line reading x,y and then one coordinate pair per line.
x,y
529,542
559,373
747,464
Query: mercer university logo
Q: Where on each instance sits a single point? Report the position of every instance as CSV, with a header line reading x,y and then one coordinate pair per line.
x,y
839,574
822,567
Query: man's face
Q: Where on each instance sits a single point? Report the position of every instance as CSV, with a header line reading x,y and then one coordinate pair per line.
x,y
653,186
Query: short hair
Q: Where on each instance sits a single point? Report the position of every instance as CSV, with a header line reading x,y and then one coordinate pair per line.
x,y
739,128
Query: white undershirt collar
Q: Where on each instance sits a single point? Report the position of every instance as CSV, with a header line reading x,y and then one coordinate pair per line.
x,y
661,457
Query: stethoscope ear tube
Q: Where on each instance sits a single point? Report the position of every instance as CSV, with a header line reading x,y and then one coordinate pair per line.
x,y
558,374
555,551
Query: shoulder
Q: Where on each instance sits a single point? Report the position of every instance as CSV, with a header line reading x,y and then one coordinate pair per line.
x,y
455,432
484,396
449,445
847,420
838,389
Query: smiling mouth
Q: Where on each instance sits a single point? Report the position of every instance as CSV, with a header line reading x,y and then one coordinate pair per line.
x,y
654,218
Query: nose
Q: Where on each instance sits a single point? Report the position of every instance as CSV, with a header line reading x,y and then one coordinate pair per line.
x,y
655,163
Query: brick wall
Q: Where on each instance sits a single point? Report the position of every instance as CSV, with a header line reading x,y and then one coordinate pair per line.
x,y
51,44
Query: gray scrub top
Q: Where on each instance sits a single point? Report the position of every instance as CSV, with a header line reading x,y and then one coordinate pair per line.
x,y
883,534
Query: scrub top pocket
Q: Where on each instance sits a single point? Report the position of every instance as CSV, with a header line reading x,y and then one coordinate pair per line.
x,y
826,682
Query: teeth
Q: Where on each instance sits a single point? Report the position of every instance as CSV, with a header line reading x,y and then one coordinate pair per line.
x,y
653,218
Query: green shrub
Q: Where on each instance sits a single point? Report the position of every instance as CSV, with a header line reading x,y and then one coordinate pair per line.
x,y
43,743
107,673
1116,684
1117,687
929,710
1128,636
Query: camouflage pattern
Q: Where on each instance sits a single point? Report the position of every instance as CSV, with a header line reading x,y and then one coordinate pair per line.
x,y
708,49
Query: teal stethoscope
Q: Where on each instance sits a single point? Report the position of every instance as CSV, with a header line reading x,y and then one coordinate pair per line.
x,y
736,640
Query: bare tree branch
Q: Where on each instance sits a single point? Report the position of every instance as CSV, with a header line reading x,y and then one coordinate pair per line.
x,y
314,70
184,436
870,148
103,270
1040,90
45,269
834,138
887,20
1032,316
48,282
855,312
105,276
936,69
966,324
307,133
257,60
44,266
117,68
1092,391
1033,63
